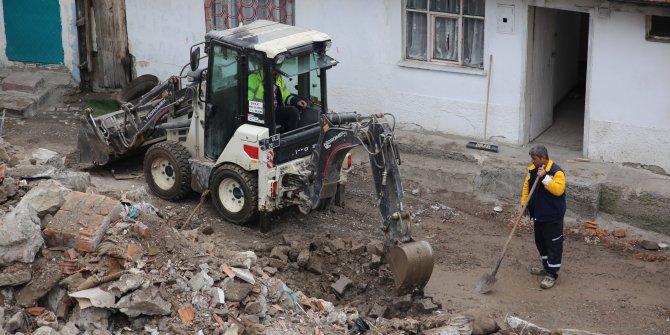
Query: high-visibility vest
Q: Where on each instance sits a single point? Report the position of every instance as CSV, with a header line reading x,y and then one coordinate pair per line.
x,y
255,92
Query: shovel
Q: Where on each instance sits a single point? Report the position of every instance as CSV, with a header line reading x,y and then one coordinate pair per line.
x,y
486,283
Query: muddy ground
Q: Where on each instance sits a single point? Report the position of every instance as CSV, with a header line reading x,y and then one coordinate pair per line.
x,y
605,287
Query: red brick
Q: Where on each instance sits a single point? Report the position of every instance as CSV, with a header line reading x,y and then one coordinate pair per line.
x,y
77,224
133,251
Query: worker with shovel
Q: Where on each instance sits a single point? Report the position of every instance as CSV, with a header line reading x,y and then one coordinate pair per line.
x,y
547,209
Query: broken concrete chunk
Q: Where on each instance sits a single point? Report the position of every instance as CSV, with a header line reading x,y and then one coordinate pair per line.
x,y
337,244
357,248
201,281
254,308
72,282
446,330
294,250
375,247
235,291
46,198
14,278
69,329
270,270
303,257
375,261
55,299
82,221
94,297
378,310
46,275
245,275
127,282
649,245
280,252
144,302
90,319
218,296
403,303
76,181
245,259
426,306
315,265
521,325
45,330
42,155
15,322
20,236
341,285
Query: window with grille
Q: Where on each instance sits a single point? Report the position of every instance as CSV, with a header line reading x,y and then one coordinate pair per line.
x,y
445,31
224,14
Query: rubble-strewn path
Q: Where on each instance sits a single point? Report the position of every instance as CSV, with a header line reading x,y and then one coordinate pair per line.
x,y
316,274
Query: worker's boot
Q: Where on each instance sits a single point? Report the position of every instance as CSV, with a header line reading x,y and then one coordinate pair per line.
x,y
537,271
548,282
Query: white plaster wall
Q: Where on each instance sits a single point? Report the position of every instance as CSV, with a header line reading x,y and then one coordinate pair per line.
x,y
3,39
367,40
629,102
68,16
161,32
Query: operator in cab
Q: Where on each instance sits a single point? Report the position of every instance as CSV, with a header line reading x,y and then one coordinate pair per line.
x,y
287,106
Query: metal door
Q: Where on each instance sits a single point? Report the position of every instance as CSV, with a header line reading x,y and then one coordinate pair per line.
x,y
33,31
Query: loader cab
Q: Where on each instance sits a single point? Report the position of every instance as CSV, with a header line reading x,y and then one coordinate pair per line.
x,y
243,69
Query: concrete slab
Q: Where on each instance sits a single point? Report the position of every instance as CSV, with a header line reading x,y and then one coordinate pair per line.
x,y
25,91
16,102
82,221
28,82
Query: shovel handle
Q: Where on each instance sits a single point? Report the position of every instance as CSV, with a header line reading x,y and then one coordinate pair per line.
x,y
516,224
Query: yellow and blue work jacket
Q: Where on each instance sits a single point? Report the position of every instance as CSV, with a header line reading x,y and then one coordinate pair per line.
x,y
548,201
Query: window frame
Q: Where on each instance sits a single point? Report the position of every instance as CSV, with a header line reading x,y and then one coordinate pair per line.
x,y
648,30
432,17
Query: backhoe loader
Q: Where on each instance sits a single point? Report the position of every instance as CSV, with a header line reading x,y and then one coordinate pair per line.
x,y
213,134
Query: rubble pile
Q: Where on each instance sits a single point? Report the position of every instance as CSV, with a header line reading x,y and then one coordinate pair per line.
x,y
73,262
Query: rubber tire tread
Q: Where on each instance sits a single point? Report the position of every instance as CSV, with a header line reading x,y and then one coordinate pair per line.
x,y
250,180
137,87
179,156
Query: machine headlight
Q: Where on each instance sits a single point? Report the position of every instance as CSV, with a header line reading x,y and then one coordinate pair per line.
x,y
280,59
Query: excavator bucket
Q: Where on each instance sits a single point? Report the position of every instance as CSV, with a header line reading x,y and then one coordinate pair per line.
x,y
90,146
411,264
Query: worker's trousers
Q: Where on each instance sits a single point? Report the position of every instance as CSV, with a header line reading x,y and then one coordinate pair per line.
x,y
549,242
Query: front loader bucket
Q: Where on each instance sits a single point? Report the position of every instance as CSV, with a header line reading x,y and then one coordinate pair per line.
x,y
90,146
411,264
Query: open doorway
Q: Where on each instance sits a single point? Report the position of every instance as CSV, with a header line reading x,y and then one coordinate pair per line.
x,y
556,81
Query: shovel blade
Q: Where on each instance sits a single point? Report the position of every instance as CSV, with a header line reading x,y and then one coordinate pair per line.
x,y
485,284
412,265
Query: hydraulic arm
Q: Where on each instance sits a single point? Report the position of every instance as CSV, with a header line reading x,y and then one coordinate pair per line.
x,y
411,262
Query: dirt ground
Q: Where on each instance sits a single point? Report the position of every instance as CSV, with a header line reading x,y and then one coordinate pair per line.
x,y
603,287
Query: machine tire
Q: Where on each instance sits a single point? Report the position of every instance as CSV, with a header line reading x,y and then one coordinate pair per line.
x,y
242,208
137,87
172,180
